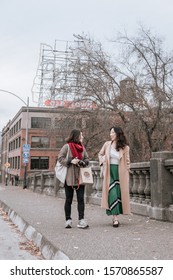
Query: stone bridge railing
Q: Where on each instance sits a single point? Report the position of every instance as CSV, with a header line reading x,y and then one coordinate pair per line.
x,y
150,186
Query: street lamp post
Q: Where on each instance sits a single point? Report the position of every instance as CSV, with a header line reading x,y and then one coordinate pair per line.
x,y
26,138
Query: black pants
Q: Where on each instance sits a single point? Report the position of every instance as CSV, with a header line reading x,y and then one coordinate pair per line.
x,y
69,191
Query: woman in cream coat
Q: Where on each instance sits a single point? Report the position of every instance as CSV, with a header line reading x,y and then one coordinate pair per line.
x,y
115,162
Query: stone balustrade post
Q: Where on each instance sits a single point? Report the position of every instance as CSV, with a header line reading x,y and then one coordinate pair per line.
x,y
94,183
94,192
161,185
98,182
147,189
141,188
42,181
34,187
135,186
94,165
131,184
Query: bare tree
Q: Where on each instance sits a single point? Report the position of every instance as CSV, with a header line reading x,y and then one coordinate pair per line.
x,y
137,86
150,94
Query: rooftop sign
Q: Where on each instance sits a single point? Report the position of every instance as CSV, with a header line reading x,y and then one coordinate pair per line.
x,y
70,104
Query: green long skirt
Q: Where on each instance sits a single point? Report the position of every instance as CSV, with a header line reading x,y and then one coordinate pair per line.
x,y
114,196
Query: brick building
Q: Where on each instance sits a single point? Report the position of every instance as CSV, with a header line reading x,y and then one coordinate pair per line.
x,y
47,130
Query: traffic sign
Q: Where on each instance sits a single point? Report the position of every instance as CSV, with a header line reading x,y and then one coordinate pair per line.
x,y
26,147
25,160
25,154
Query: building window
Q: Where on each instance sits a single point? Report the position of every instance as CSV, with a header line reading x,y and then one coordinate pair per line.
x,y
19,141
20,124
65,123
18,162
17,128
59,142
57,123
15,163
39,142
37,122
39,163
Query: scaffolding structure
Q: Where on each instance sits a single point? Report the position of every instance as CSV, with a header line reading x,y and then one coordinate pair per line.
x,y
55,83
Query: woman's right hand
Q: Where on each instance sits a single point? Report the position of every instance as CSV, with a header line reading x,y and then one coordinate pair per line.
x,y
75,161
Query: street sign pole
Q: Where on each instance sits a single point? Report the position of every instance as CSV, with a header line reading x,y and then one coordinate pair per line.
x,y
25,172
26,140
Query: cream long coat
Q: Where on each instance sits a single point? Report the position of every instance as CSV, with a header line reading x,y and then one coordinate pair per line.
x,y
124,167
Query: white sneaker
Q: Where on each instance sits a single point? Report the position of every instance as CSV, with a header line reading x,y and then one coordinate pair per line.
x,y
82,224
68,224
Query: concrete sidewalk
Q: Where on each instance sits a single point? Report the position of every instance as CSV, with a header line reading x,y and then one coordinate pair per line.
x,y
41,218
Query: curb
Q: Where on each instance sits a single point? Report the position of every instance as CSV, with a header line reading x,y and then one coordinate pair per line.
x,y
48,251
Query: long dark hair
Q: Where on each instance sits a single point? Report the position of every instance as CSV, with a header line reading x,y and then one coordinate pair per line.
x,y
74,136
121,138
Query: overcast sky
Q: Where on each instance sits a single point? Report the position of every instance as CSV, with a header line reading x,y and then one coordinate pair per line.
x,y
24,24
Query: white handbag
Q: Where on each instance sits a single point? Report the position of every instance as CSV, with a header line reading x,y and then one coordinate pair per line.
x,y
61,170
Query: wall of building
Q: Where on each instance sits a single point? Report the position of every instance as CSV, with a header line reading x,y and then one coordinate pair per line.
x,y
14,137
